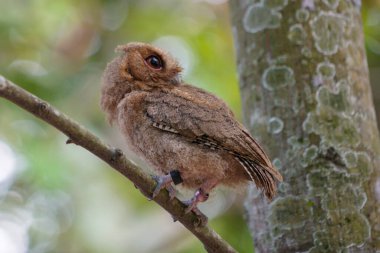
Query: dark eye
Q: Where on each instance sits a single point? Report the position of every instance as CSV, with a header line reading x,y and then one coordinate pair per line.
x,y
154,62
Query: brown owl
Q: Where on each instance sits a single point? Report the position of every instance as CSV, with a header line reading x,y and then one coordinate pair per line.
x,y
186,134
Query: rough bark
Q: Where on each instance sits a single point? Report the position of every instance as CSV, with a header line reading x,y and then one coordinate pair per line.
x,y
306,96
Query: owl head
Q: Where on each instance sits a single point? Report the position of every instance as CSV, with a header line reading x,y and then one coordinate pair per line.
x,y
149,64
140,65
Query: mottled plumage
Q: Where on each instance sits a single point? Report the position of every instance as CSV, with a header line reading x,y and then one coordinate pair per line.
x,y
175,126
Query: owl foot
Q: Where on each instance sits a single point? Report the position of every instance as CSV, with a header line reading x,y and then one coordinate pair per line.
x,y
199,196
165,182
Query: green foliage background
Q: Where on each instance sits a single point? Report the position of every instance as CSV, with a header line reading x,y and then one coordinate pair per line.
x,y
59,198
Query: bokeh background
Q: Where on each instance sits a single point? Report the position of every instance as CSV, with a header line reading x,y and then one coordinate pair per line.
x,y
59,198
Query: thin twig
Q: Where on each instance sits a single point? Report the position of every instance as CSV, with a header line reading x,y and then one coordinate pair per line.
x,y
116,159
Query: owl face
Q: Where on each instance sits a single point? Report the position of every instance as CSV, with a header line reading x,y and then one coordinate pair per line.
x,y
149,64
140,66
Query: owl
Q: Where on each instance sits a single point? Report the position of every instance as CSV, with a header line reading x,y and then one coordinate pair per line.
x,y
186,134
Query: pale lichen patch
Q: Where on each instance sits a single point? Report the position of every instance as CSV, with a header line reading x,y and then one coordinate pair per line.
x,y
289,212
363,166
277,163
275,125
344,199
297,34
305,51
332,120
350,158
327,30
322,177
276,77
259,17
309,155
326,70
263,15
333,128
344,230
334,101
302,15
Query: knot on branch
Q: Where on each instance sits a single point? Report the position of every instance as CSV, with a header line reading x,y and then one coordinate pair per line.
x,y
42,107
116,154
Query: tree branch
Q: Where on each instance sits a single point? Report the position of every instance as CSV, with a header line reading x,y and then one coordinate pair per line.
x,y
115,158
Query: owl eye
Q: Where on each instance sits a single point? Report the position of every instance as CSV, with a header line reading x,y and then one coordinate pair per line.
x,y
154,61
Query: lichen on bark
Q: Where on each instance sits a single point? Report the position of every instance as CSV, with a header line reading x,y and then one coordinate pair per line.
x,y
306,96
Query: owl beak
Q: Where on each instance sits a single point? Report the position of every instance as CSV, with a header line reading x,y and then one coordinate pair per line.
x,y
177,79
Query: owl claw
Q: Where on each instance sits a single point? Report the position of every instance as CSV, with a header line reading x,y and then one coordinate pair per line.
x,y
199,196
172,191
164,182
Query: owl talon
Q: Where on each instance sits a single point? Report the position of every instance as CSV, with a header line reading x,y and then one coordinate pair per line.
x,y
162,182
192,207
199,196
165,182
172,191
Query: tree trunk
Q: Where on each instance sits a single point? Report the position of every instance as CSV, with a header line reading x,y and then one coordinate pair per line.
x,y
306,97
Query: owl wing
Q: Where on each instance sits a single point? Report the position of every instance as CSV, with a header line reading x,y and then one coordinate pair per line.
x,y
203,119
